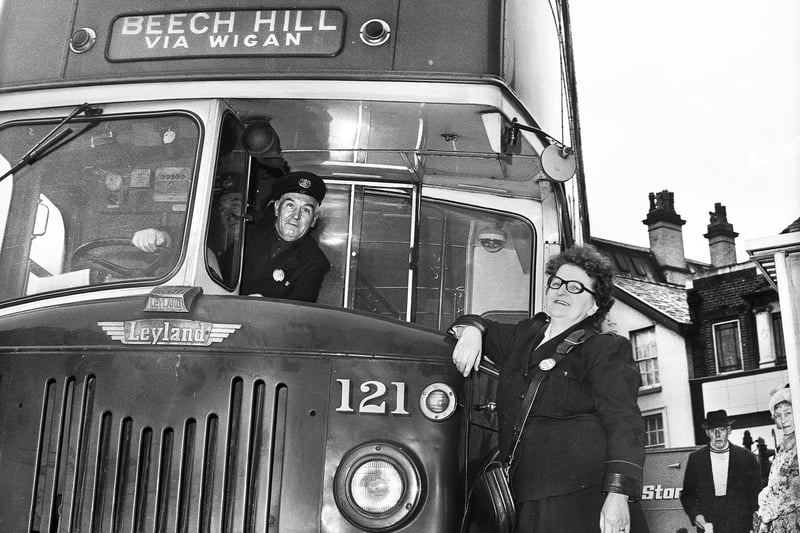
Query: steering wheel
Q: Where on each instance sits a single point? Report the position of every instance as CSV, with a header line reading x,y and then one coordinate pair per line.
x,y
121,257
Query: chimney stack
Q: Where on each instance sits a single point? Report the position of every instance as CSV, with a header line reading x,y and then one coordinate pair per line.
x,y
666,236
721,238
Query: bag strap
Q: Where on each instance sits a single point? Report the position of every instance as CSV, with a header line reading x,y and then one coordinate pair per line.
x,y
574,339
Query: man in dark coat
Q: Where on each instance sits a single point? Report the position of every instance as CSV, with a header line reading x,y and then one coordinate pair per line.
x,y
722,481
281,259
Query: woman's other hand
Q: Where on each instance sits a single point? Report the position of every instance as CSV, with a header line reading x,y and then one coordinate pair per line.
x,y
467,353
615,515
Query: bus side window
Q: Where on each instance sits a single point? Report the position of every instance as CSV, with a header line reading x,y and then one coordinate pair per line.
x,y
472,261
469,260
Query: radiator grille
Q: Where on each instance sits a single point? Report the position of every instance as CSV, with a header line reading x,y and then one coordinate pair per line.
x,y
102,465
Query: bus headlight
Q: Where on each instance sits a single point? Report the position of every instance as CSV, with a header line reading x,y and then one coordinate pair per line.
x,y
378,487
438,402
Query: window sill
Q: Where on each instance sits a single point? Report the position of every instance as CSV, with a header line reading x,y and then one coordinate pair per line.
x,y
649,390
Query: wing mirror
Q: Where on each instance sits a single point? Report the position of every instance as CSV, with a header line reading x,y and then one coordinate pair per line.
x,y
558,160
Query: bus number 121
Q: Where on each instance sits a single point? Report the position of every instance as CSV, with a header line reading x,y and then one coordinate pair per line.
x,y
376,396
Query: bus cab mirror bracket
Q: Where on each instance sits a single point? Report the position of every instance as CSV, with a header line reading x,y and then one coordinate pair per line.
x,y
558,160
42,218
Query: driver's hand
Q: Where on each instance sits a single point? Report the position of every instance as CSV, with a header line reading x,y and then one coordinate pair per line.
x,y
150,240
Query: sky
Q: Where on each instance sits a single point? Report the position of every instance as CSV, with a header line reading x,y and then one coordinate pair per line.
x,y
699,97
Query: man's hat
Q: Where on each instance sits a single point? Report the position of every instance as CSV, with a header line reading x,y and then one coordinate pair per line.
x,y
229,182
717,419
302,182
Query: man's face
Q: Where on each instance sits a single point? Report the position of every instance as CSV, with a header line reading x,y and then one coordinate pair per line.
x,y
295,214
230,209
718,437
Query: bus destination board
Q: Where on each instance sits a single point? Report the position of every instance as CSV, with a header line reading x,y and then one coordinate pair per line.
x,y
280,32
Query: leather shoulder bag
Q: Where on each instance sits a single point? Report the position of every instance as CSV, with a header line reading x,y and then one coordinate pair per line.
x,y
491,502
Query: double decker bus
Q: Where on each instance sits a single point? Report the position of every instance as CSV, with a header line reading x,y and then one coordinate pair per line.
x,y
143,391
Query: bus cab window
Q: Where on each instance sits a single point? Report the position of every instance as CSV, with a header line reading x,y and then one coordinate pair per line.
x,y
228,204
72,215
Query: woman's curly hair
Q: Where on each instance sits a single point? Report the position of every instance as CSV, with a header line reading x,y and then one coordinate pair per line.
x,y
597,266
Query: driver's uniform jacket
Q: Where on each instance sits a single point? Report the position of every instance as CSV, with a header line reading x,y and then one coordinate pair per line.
x,y
585,428
295,273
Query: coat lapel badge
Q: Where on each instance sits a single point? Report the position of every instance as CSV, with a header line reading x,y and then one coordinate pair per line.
x,y
547,364
278,275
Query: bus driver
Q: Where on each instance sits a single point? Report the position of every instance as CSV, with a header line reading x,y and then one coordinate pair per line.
x,y
281,259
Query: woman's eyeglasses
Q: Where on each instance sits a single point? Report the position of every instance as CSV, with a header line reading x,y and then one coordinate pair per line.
x,y
573,286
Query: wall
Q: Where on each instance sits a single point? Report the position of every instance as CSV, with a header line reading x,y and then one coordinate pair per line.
x,y
720,298
673,398
744,396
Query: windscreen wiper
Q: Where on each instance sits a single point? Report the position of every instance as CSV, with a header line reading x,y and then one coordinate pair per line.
x,y
52,138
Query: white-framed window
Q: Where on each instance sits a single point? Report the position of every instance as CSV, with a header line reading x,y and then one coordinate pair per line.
x,y
654,435
727,346
645,353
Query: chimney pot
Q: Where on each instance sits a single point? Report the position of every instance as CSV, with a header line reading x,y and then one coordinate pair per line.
x,y
721,238
666,236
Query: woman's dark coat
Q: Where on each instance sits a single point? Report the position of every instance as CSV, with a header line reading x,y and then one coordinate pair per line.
x,y
586,429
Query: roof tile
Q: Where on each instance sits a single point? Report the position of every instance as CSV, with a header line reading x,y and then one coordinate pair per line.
x,y
668,299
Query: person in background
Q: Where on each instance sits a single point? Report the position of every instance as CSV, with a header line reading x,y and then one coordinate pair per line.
x,y
224,228
281,258
779,502
722,480
579,465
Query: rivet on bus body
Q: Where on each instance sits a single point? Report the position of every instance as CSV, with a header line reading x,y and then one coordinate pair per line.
x,y
82,40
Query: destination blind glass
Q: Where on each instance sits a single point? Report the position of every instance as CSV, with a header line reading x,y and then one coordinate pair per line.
x,y
280,32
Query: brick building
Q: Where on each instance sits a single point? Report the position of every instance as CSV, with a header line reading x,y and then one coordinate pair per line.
x,y
736,339
709,335
652,311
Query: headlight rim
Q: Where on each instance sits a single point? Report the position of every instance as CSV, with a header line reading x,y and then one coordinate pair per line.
x,y
408,504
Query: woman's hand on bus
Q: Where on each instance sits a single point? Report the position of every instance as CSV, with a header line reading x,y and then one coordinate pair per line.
x,y
467,353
